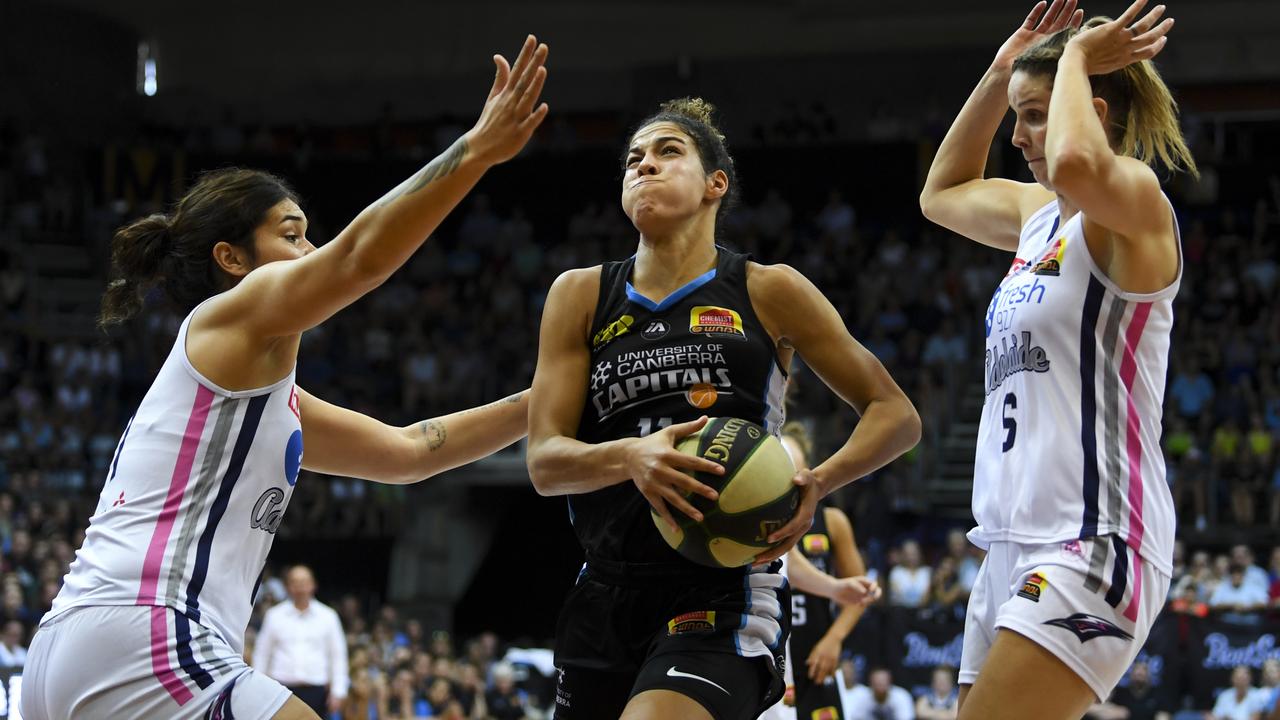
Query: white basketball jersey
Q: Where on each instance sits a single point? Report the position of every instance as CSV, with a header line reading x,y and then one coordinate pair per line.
x,y
1069,442
192,500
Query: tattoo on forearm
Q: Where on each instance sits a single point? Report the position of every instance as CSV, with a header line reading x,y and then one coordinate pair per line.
x,y
443,165
434,432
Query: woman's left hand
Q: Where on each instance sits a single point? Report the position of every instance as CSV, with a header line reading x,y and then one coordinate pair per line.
x,y
1122,42
789,534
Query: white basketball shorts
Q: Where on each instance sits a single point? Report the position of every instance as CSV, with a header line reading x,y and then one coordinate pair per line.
x,y
1089,602
140,662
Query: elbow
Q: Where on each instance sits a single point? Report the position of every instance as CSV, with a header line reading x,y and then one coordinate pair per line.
x,y
1069,167
539,474
910,426
927,202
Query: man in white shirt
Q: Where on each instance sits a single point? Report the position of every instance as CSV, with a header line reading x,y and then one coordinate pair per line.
x,y
880,700
302,645
12,654
1240,701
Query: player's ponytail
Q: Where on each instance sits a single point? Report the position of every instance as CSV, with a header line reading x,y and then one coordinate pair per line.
x,y
1142,116
174,252
137,251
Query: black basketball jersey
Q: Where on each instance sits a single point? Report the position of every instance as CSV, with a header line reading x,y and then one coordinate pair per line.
x,y
700,351
812,615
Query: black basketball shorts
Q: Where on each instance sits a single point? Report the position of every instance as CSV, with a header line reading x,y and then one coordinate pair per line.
x,y
717,637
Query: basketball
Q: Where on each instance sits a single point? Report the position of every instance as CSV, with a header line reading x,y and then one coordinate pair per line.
x,y
756,495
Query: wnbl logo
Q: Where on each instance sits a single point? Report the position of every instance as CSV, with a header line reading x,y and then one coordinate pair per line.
x,y
268,511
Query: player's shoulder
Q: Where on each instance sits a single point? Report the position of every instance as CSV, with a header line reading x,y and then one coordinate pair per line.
x,y
776,278
578,281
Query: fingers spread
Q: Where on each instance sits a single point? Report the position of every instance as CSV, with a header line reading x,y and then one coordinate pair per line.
x,y
1033,17
1148,21
1131,12
682,430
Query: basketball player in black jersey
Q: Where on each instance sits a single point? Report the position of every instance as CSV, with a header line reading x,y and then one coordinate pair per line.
x,y
817,633
633,355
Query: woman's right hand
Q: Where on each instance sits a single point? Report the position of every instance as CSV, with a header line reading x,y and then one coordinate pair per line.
x,y
509,116
656,468
1039,25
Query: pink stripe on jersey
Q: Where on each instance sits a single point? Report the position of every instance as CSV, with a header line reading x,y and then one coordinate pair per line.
x,y
1131,612
1128,368
160,657
177,488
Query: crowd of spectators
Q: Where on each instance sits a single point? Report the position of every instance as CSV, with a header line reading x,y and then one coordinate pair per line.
x,y
458,326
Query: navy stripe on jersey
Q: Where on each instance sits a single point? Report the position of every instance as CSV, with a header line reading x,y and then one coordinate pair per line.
x,y
248,429
186,659
1089,405
1119,572
681,293
115,462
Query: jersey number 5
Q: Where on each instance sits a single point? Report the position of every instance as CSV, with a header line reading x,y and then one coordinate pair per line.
x,y
1010,425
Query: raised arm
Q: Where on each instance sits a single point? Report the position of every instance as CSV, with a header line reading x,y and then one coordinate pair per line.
x,y
286,298
956,194
559,463
343,442
1120,196
798,315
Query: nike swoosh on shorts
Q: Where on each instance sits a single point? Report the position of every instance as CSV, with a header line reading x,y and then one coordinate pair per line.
x,y
673,672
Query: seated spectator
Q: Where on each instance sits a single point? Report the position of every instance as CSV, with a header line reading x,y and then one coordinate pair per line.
x,y
946,595
1136,701
909,581
505,701
1254,575
1240,701
847,683
12,653
962,551
1237,600
401,703
943,696
880,700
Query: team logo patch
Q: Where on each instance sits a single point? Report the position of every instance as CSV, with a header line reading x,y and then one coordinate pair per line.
x,y
816,544
697,621
701,395
293,402
293,457
716,321
655,330
1087,627
827,713
601,375
1034,587
612,331
1050,263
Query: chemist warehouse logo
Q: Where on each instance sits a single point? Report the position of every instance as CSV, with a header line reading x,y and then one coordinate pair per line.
x,y
712,321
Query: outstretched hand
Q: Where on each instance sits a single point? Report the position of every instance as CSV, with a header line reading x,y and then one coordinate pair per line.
x,y
1122,42
511,112
1040,24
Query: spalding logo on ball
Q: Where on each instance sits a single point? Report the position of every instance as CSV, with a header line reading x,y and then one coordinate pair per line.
x,y
756,495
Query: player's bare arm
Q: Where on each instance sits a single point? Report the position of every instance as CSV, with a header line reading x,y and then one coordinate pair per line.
x,y
346,443
798,316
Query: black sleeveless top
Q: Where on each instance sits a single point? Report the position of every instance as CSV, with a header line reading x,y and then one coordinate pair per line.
x,y
701,351
812,615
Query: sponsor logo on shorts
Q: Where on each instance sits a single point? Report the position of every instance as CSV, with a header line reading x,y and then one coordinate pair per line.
x,y
612,331
697,621
827,713
673,672
816,544
655,330
1034,587
1087,627
716,322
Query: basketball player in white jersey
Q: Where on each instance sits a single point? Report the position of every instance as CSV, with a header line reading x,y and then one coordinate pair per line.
x,y
1069,486
151,619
